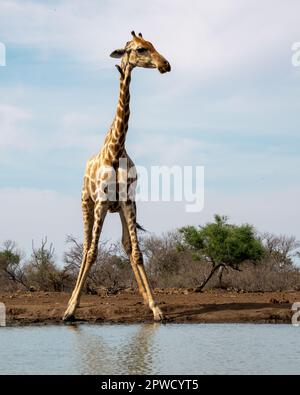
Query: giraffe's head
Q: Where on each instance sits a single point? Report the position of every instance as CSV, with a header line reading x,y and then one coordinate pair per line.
x,y
141,53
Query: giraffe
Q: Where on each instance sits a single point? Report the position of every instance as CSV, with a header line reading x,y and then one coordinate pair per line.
x,y
103,171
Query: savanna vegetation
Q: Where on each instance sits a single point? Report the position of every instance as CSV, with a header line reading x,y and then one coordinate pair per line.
x,y
218,254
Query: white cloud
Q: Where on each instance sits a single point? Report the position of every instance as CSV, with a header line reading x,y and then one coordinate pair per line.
x,y
238,164
273,211
201,38
78,120
166,150
31,214
78,130
18,130
269,210
12,120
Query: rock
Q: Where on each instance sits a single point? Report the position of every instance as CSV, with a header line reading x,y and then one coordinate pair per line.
x,y
284,301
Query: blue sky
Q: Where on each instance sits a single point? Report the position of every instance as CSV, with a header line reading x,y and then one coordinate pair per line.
x,y
231,103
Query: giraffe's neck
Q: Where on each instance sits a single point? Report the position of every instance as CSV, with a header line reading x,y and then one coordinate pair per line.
x,y
114,143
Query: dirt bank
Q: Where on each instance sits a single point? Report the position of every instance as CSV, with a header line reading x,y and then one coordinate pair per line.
x,y
178,305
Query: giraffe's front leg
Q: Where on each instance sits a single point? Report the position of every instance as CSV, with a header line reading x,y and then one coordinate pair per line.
x,y
157,314
88,222
88,260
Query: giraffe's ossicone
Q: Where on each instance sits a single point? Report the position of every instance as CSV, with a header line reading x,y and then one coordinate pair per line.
x,y
107,186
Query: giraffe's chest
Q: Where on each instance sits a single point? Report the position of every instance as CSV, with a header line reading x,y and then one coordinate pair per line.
x,y
111,181
113,186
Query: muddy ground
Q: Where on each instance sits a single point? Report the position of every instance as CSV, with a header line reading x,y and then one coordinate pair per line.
x,y
178,305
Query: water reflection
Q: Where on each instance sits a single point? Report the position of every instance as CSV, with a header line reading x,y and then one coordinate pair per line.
x,y
150,349
137,355
102,353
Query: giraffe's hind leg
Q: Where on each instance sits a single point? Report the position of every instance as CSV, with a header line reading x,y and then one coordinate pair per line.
x,y
126,242
129,211
89,258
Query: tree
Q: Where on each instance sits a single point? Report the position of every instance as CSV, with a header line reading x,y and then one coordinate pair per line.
x,y
281,250
42,271
223,245
11,265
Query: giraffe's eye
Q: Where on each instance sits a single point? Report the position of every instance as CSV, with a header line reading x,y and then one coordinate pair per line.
x,y
142,50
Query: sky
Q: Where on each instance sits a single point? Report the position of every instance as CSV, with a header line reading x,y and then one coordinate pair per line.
x,y
230,104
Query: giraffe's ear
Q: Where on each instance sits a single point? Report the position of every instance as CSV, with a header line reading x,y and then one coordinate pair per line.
x,y
118,53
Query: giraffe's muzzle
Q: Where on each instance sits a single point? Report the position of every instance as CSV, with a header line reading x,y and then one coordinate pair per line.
x,y
165,67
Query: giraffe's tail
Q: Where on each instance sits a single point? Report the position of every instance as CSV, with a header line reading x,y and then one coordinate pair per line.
x,y
139,227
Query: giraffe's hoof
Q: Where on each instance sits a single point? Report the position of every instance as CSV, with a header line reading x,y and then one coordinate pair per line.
x,y
68,317
70,313
158,315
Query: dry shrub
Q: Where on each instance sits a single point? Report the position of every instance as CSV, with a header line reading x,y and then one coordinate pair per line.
x,y
41,271
166,264
111,270
263,278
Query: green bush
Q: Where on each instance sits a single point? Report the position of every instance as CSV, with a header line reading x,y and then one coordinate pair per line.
x,y
223,245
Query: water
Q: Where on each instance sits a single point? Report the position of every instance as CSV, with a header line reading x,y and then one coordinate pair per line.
x,y
151,349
